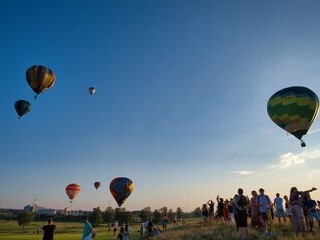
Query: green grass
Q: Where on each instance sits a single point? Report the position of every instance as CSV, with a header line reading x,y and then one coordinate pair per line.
x,y
194,229
200,230
64,231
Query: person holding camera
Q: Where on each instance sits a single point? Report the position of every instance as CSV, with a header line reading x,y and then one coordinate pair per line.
x,y
48,230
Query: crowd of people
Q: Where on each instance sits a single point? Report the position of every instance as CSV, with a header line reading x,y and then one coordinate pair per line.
x,y
148,230
299,209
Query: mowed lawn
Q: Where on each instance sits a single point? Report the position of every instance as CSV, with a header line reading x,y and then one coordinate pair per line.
x,y
194,229
64,231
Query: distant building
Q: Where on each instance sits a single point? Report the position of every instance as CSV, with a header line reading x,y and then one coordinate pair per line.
x,y
76,213
40,210
46,211
31,208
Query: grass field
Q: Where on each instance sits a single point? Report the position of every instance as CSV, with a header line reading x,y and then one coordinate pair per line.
x,y
194,229
217,231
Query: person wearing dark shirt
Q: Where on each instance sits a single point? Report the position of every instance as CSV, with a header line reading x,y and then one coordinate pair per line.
x,y
241,203
310,206
211,208
48,230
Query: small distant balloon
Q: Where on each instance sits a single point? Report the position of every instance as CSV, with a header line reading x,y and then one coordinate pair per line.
x,y
40,78
22,107
97,185
294,109
72,190
121,188
92,90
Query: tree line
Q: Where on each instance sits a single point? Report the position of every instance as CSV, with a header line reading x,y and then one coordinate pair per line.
x,y
110,215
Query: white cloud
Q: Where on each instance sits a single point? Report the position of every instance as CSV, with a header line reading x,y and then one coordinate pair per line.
x,y
242,172
290,159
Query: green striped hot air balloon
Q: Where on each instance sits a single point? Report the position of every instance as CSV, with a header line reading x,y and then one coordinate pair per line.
x,y
294,109
22,107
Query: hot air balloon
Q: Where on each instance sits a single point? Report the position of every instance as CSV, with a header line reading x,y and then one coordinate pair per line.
x,y
40,78
92,90
72,190
121,188
97,185
22,107
294,109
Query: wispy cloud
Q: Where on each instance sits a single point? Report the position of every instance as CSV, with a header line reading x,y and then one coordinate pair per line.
x,y
241,173
290,159
314,131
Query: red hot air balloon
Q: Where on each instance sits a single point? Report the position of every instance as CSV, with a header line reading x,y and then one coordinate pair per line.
x,y
97,185
72,190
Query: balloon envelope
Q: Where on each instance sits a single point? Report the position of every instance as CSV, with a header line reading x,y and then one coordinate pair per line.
x,y
294,109
72,190
22,107
40,78
121,188
92,90
97,185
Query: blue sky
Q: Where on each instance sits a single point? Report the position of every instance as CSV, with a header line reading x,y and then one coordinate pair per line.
x,y
180,105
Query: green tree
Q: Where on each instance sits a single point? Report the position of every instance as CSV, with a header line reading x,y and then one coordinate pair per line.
x,y
179,212
96,217
171,215
157,217
108,216
197,212
164,210
145,214
123,216
25,218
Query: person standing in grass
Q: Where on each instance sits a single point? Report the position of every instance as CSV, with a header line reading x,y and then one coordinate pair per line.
x,y
241,203
115,227
297,207
48,230
234,210
220,208
226,213
264,203
254,210
287,206
122,234
164,222
211,209
310,206
205,212
278,203
87,229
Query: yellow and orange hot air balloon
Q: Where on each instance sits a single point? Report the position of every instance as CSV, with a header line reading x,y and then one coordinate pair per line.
x,y
40,78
